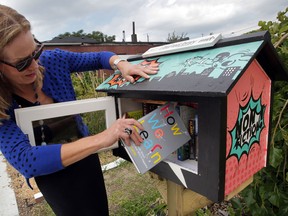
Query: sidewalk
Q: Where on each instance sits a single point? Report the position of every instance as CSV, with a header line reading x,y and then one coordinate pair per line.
x,y
8,204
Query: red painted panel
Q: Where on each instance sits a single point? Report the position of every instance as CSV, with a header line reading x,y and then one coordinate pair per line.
x,y
248,114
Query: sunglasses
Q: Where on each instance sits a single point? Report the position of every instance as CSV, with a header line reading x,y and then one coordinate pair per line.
x,y
25,63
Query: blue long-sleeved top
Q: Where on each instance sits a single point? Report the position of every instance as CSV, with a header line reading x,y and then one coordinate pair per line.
x,y
33,161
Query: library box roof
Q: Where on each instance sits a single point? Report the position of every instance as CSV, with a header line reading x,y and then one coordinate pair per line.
x,y
211,71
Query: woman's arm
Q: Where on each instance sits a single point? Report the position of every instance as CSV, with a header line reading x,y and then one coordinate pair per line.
x,y
77,150
87,61
33,161
29,160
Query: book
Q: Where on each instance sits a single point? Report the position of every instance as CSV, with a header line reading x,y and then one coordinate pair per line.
x,y
149,107
135,114
164,132
186,113
196,143
193,130
192,142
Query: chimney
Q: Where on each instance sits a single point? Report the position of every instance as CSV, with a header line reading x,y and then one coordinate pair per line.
x,y
123,40
134,36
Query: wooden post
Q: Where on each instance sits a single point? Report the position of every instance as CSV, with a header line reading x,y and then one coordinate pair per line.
x,y
182,201
185,202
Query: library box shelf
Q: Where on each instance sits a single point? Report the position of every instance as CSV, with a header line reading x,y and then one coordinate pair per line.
x,y
231,84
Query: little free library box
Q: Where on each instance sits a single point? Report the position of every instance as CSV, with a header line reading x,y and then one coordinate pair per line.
x,y
224,94
223,91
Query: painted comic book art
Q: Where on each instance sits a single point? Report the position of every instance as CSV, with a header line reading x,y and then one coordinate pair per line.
x,y
247,126
211,69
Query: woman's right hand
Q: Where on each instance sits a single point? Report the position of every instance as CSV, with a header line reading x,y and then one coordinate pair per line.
x,y
79,149
117,131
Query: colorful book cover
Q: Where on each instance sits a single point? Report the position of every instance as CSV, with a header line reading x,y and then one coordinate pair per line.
x,y
164,132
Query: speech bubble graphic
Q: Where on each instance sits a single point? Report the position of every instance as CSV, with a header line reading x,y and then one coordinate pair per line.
x,y
247,129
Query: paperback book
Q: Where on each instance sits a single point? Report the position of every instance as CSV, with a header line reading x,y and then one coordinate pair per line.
x,y
164,132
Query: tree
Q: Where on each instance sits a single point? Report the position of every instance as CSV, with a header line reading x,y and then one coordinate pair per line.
x,y
96,35
174,38
267,195
100,37
75,34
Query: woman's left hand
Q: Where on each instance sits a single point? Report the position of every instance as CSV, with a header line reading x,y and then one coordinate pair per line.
x,y
129,70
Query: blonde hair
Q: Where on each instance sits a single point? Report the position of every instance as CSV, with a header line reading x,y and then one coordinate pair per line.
x,y
11,25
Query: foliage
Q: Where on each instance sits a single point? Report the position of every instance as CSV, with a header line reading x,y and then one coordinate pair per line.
x,y
203,212
267,195
96,35
174,38
279,34
84,84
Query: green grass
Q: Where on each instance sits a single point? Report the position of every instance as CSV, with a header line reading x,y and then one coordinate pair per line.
x,y
146,204
131,193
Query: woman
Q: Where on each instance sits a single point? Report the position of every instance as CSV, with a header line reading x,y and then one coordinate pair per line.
x,y
68,175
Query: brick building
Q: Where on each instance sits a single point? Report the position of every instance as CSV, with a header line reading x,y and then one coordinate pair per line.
x,y
84,44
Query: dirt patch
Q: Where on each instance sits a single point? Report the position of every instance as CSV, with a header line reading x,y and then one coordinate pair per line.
x,y
26,202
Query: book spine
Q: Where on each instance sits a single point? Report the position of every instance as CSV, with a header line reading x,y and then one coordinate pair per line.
x,y
196,137
192,142
186,113
148,107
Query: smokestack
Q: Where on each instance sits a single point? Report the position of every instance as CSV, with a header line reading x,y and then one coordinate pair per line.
x,y
134,36
123,40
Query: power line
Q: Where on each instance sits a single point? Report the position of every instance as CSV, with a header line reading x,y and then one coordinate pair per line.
x,y
243,30
233,32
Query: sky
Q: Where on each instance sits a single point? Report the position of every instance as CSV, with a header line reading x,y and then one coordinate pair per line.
x,y
154,19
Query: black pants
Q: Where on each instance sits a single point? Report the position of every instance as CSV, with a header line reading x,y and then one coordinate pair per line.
x,y
79,189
